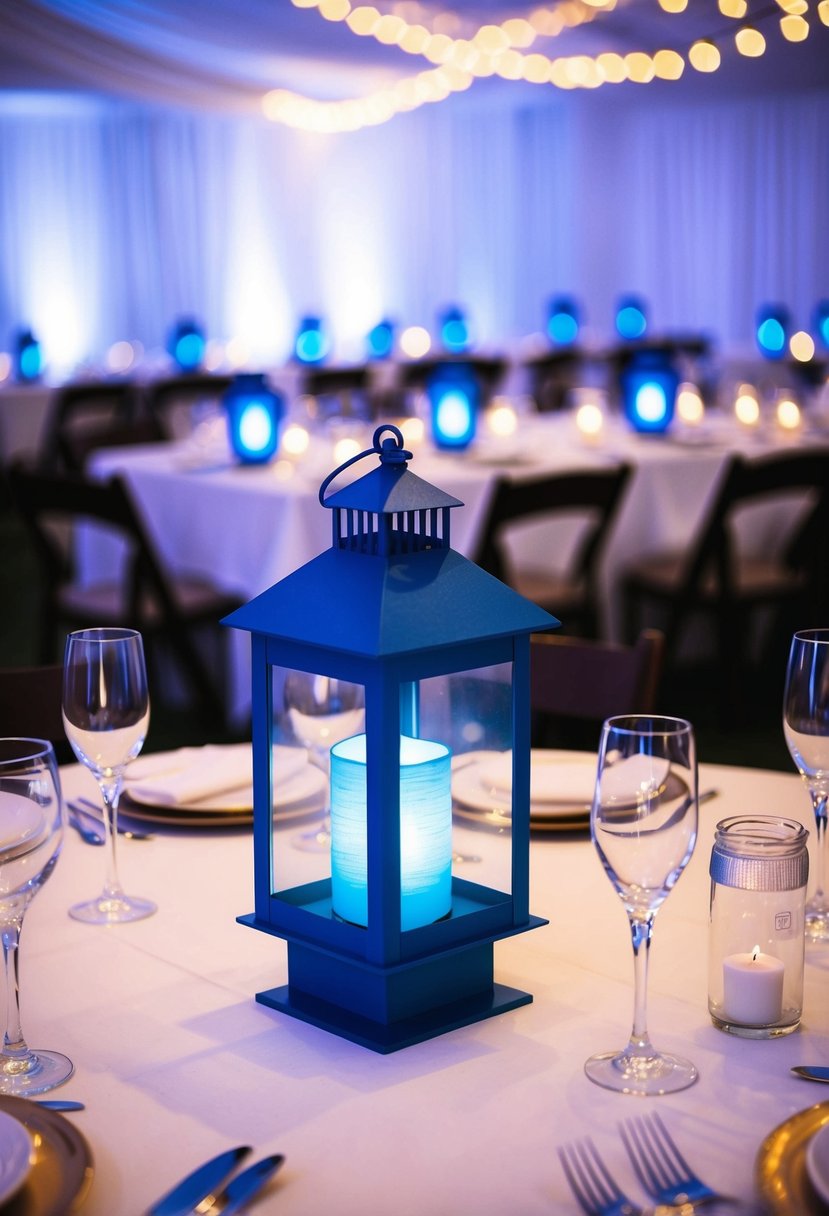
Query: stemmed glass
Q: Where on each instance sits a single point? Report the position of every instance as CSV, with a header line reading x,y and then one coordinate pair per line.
x,y
321,711
806,728
644,825
106,711
31,834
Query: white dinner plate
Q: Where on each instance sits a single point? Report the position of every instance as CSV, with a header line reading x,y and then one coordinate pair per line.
x,y
15,1156
479,789
817,1162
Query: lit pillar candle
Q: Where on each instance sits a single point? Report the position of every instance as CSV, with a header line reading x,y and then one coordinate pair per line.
x,y
753,988
425,831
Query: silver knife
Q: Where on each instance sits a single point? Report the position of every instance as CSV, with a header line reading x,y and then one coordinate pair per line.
x,y
204,1181
59,1104
812,1072
239,1192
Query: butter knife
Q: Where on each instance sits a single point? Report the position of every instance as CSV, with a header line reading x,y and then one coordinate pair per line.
x,y
201,1183
812,1072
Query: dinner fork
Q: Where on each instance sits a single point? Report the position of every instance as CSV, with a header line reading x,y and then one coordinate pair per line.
x,y
596,1190
660,1167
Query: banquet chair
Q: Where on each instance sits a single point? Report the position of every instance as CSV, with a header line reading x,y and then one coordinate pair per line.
x,y
85,417
170,402
30,705
718,577
590,497
339,391
575,683
169,610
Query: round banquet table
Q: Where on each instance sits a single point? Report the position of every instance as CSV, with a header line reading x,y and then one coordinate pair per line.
x,y
176,1061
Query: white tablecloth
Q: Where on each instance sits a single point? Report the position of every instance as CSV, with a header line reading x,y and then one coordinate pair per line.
x,y
176,1061
250,527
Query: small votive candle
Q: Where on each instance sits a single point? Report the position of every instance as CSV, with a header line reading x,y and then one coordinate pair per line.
x,y
589,420
689,406
746,406
788,414
753,988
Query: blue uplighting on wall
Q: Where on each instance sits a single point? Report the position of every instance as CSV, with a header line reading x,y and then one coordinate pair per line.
x,y
380,340
772,325
186,344
254,413
631,318
563,321
454,330
28,356
649,384
453,399
821,322
311,343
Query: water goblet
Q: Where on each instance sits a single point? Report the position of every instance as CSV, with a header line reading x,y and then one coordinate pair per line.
x,y
31,835
806,729
106,711
644,825
321,711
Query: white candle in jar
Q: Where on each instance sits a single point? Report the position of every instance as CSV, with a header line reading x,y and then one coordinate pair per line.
x,y
753,988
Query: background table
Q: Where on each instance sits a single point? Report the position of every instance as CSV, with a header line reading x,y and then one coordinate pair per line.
x,y
176,1061
249,527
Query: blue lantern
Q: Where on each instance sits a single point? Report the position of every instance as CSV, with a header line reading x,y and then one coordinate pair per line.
x,y
821,322
254,413
454,395
631,318
649,384
390,947
186,345
563,321
454,330
772,330
28,357
311,343
380,340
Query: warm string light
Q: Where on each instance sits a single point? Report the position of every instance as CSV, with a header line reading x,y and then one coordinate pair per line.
x,y
499,50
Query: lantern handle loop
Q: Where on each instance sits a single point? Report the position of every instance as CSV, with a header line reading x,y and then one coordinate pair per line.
x,y
390,451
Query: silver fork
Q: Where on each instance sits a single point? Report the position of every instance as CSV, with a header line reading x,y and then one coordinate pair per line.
x,y
660,1167
85,809
596,1190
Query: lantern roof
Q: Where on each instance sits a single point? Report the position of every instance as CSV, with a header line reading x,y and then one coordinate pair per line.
x,y
390,583
346,602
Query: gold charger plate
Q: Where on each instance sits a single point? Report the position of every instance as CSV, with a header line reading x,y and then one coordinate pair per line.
x,y
780,1169
62,1170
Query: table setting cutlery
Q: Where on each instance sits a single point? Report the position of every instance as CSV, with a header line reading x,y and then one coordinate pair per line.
x,y
812,1072
206,1191
60,1104
88,834
85,810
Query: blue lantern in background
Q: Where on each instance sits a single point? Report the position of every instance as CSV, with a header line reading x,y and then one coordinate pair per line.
x,y
649,385
186,345
454,330
821,322
391,948
772,325
254,413
380,340
563,321
631,318
311,343
28,357
454,395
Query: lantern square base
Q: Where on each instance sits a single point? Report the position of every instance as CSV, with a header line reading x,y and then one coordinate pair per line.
x,y
386,1038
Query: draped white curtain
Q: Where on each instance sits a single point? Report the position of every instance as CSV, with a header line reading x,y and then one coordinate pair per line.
x,y
116,217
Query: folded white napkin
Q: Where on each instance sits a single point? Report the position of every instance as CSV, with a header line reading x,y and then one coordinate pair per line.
x,y
552,778
630,779
195,773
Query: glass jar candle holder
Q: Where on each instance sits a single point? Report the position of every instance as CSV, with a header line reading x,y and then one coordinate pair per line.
x,y
759,870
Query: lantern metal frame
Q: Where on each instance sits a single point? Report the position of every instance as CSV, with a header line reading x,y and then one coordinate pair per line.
x,y
408,608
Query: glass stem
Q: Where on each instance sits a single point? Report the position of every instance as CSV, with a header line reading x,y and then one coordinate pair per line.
x,y
111,792
15,1050
819,803
641,929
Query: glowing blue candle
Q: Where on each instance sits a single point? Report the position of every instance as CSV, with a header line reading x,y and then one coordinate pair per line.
x,y
425,831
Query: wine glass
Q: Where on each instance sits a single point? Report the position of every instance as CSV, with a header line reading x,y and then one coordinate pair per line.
x,y
644,825
106,710
321,711
806,728
31,834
